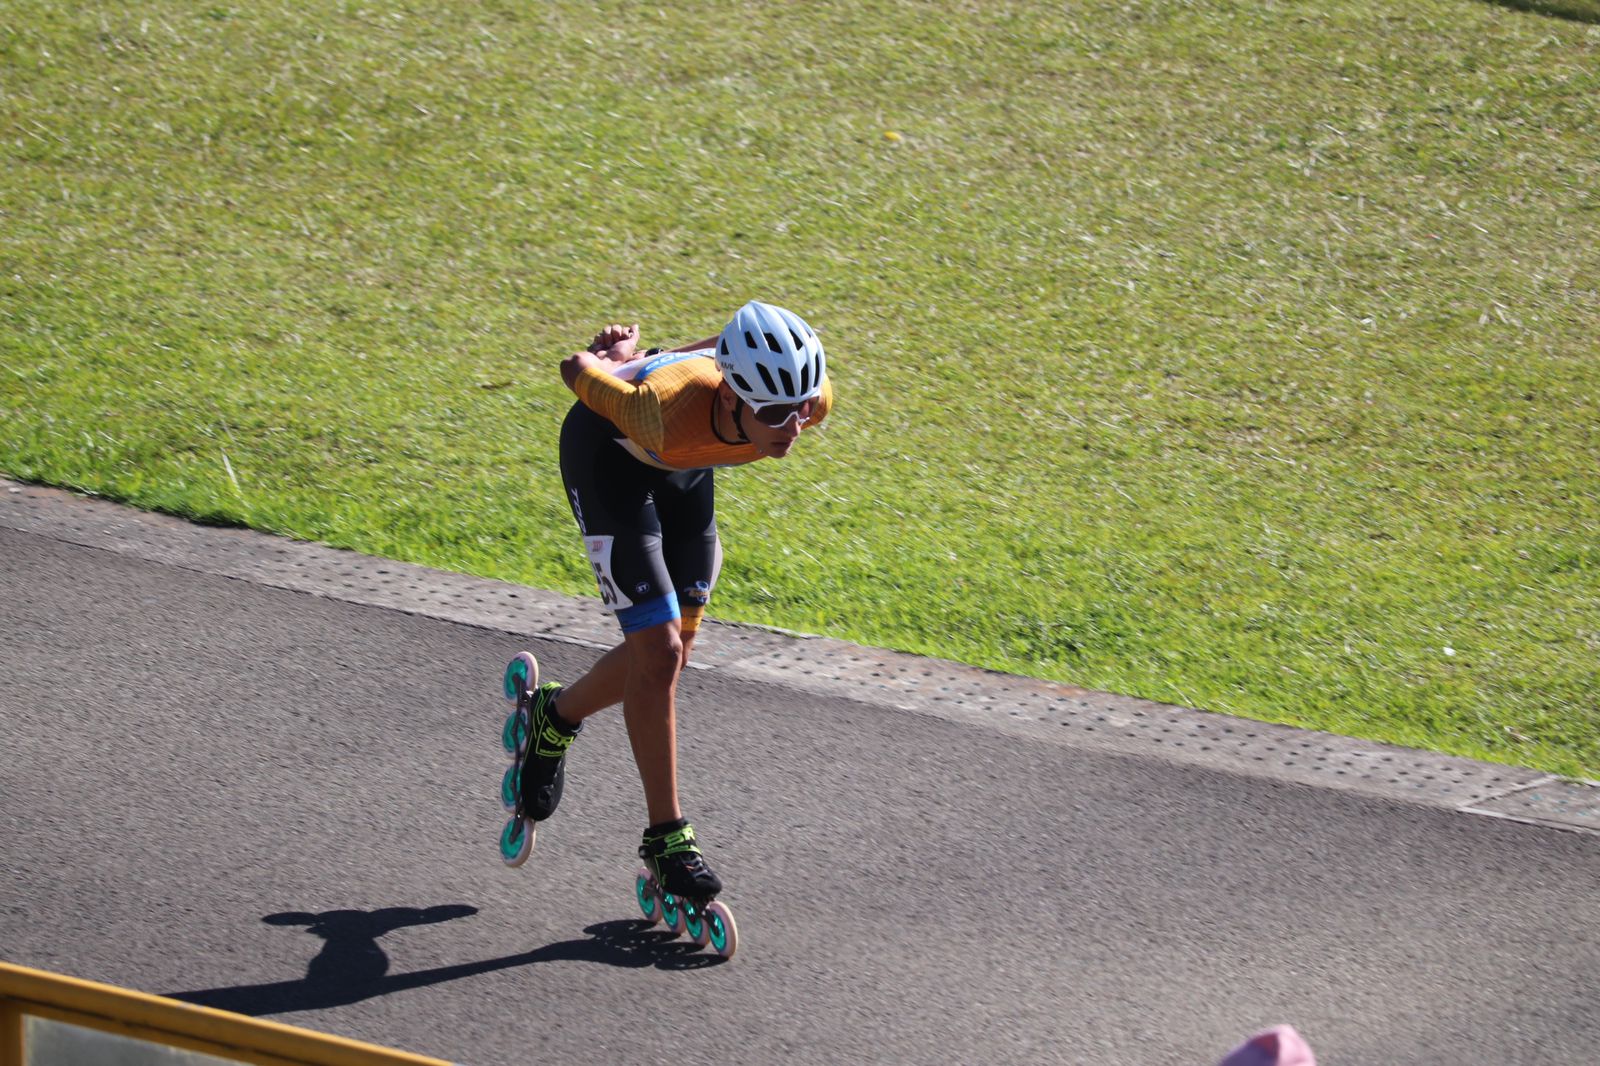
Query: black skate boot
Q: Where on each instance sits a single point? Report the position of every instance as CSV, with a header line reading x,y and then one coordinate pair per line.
x,y
676,862
677,887
544,766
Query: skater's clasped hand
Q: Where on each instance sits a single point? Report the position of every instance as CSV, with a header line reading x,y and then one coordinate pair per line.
x,y
616,342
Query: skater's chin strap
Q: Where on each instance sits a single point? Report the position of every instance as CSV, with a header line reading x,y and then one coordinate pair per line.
x,y
738,409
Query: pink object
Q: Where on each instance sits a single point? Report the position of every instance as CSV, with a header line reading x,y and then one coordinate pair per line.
x,y
1275,1047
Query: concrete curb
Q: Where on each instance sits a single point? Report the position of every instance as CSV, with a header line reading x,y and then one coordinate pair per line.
x,y
1046,711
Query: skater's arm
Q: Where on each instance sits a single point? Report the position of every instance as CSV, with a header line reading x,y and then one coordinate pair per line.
x,y
697,346
634,409
619,344
824,403
576,363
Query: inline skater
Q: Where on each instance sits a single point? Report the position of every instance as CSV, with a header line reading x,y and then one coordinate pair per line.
x,y
638,452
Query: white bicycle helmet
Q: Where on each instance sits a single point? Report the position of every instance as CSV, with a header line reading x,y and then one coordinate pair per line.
x,y
768,355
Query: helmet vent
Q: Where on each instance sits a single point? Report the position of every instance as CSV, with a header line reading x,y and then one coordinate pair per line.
x,y
805,378
799,344
766,377
724,347
744,386
788,381
772,343
749,339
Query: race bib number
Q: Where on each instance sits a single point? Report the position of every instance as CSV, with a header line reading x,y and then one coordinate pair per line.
x,y
599,549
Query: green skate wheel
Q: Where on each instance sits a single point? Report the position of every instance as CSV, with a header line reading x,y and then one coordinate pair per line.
x,y
722,936
508,788
647,895
522,675
694,924
516,842
515,731
672,912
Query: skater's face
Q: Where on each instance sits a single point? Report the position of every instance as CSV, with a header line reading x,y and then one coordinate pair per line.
x,y
773,442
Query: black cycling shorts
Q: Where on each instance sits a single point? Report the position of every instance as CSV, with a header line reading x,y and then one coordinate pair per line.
x,y
651,534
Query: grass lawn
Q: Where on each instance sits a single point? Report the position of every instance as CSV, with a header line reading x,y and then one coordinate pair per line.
x,y
1234,355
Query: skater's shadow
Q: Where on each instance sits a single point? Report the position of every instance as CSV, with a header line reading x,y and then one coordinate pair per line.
x,y
352,967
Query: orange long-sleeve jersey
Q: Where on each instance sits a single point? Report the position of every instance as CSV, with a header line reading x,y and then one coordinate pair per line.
x,y
664,406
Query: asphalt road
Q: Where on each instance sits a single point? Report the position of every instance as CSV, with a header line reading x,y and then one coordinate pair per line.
x,y
285,805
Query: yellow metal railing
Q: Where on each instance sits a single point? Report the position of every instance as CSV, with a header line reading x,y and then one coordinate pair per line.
x,y
34,994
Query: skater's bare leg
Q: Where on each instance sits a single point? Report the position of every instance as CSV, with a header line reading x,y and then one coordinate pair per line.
x,y
605,684
649,706
642,674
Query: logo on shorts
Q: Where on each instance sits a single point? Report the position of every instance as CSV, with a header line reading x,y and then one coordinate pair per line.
x,y
698,593
642,587
577,511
